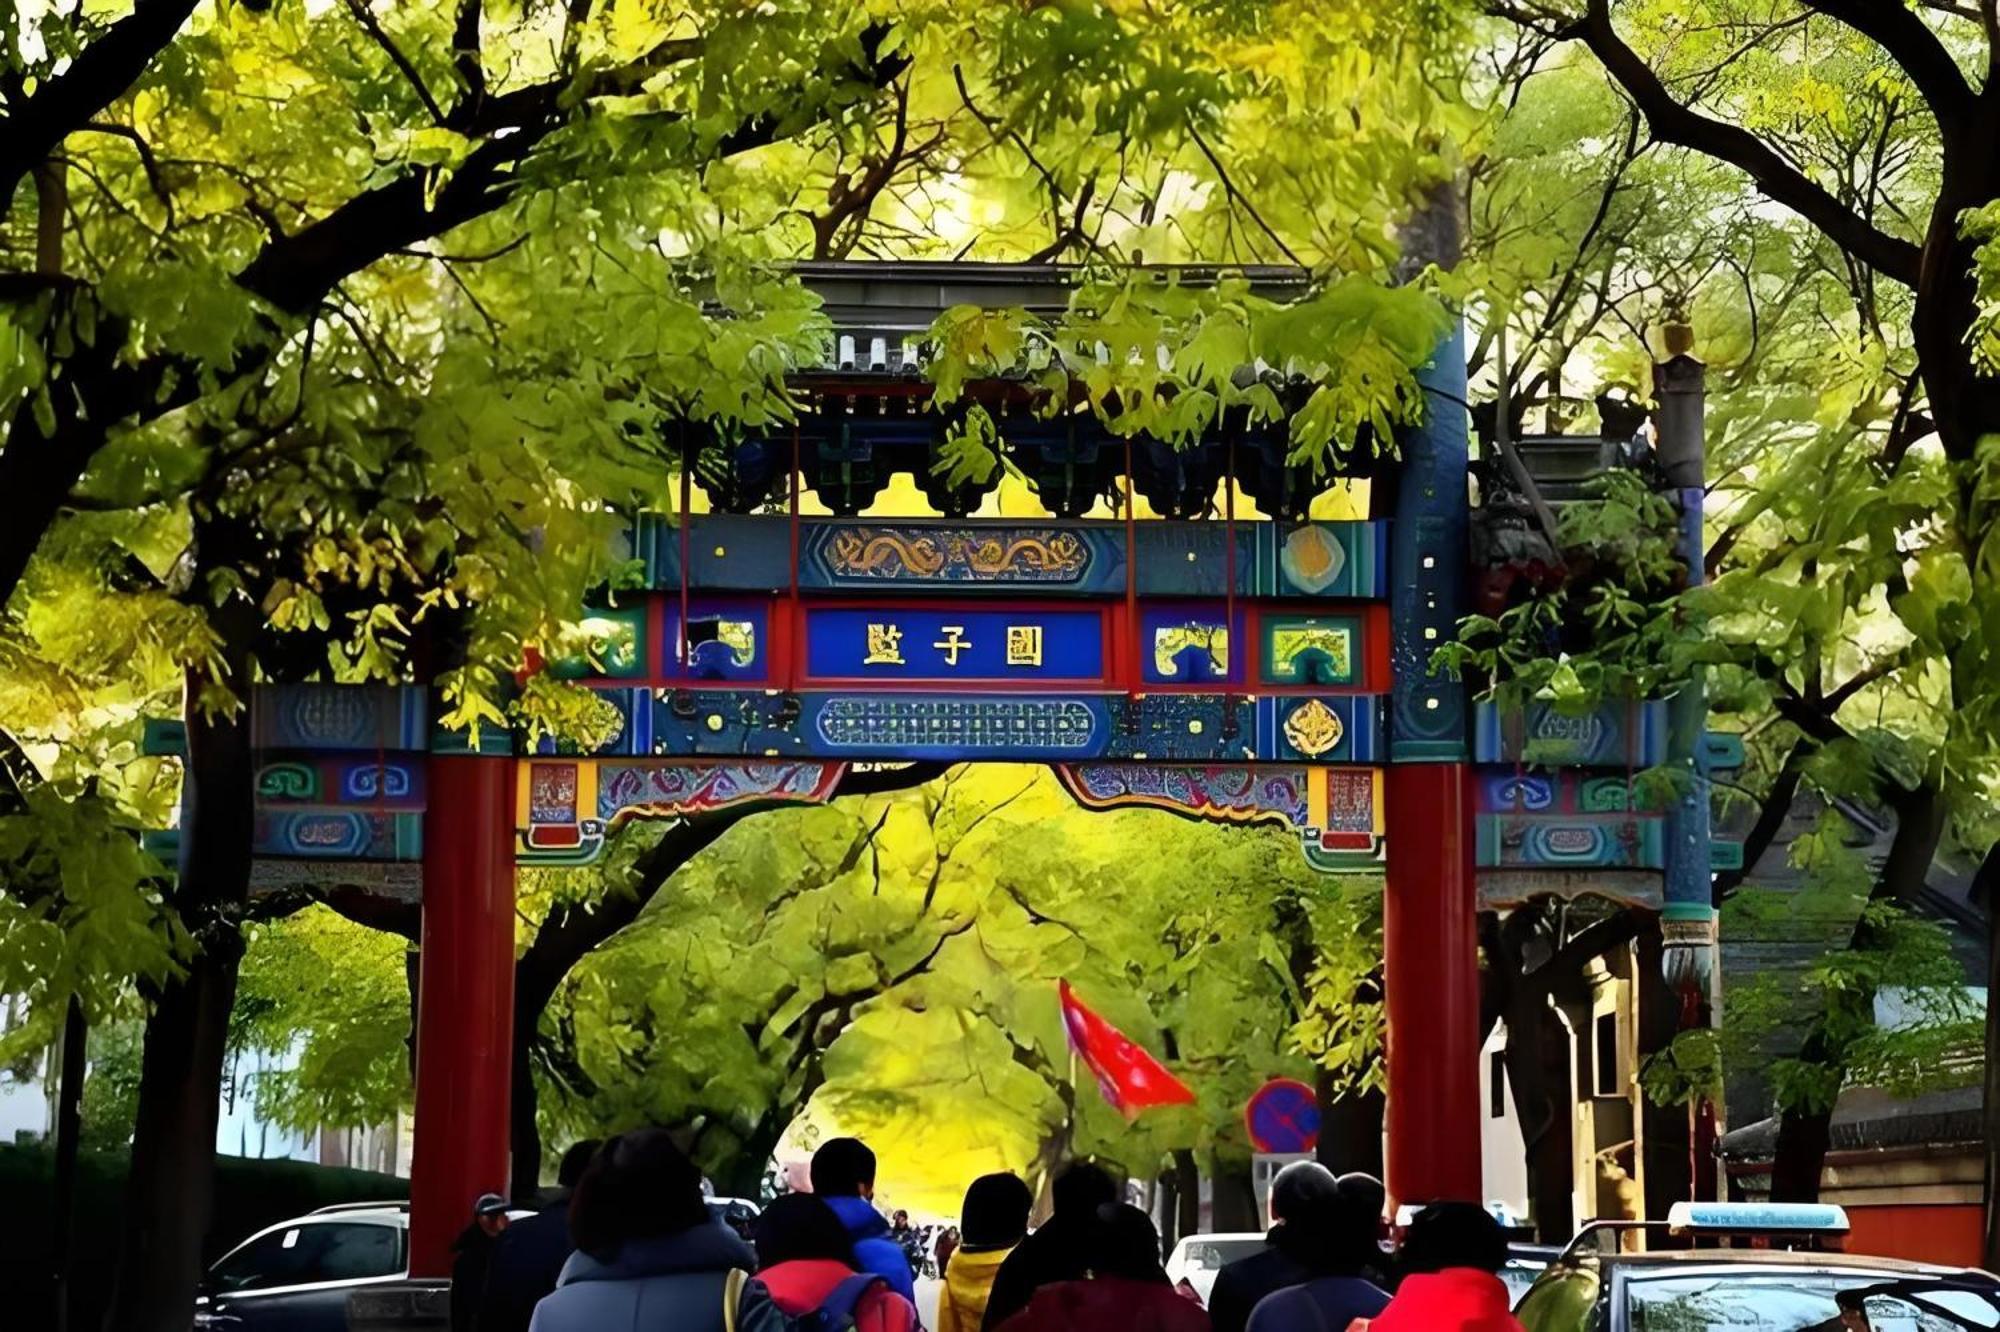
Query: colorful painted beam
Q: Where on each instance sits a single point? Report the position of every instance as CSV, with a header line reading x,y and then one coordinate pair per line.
x,y
976,645
1504,889
319,834
381,784
568,807
1510,841
355,718
1628,735
1541,820
1338,812
942,558
998,727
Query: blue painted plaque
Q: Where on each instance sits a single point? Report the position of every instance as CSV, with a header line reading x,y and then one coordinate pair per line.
x,y
887,644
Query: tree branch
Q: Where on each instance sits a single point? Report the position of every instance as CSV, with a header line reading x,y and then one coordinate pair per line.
x,y
1672,122
465,57
1895,27
99,75
147,161
103,391
365,16
1593,940
1771,816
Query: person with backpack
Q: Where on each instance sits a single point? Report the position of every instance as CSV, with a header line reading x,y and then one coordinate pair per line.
x,y
649,1256
1343,1227
806,1261
1127,1289
995,1220
843,1177
1451,1257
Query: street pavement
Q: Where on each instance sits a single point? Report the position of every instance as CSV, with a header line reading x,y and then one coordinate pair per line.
x,y
928,1291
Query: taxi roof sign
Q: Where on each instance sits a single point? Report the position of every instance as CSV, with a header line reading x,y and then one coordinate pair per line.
x,y
1766,1218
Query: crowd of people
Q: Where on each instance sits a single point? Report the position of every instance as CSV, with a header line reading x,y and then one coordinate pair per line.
x,y
630,1242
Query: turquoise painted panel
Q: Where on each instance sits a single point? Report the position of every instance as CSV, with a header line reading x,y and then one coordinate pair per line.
x,y
746,553
1631,735
339,717
1073,727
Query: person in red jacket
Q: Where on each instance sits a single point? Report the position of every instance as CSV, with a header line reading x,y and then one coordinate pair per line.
x,y
804,1256
1450,1258
1126,1290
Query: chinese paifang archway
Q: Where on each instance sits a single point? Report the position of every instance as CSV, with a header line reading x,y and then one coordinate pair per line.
x,y
1235,667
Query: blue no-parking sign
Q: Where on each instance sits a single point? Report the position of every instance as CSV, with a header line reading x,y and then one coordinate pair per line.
x,y
1283,1117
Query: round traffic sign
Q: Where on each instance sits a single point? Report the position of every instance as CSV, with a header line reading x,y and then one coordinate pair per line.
x,y
1283,1117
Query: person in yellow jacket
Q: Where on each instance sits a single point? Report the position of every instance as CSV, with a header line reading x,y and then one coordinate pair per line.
x,y
994,1220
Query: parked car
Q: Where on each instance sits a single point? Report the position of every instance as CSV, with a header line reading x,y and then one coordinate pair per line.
x,y
1198,1259
1596,1287
1526,1263
296,1276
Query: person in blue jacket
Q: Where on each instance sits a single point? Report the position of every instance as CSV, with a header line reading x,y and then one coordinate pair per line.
x,y
843,1175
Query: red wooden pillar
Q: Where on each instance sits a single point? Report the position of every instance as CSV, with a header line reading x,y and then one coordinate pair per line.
x,y
1430,937
465,1002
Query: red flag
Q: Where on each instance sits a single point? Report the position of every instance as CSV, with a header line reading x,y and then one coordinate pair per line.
x,y
1131,1079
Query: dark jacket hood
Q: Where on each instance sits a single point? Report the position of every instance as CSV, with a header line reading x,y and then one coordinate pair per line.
x,y
710,1247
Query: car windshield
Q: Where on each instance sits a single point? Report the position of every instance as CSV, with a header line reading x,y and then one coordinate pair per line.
x,y
1765,1301
1212,1255
1519,1274
309,1253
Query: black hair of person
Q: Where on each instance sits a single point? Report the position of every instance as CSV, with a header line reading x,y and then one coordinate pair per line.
x,y
1123,1243
575,1161
638,1186
1300,1188
1453,1234
842,1167
995,1213
1083,1188
800,1226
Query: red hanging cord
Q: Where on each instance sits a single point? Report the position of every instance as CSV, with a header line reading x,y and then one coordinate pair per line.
x,y
1134,637
687,548
1229,580
792,657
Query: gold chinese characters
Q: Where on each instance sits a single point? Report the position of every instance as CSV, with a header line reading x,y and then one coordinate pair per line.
x,y
1024,645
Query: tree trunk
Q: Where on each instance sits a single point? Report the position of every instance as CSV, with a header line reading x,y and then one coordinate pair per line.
x,y
1187,1192
1236,1199
168,1195
1667,1172
1536,1042
69,1131
1805,1133
1986,891
1350,1129
1964,402
524,1128
1803,1139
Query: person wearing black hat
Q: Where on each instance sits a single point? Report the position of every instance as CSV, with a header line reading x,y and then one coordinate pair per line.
x,y
474,1250
527,1260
